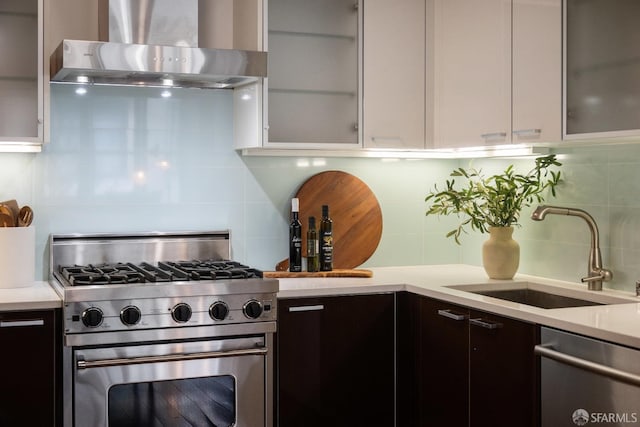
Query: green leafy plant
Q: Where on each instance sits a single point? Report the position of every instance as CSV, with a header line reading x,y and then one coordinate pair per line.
x,y
494,201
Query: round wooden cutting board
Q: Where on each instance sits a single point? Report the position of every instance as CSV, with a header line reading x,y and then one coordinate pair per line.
x,y
354,210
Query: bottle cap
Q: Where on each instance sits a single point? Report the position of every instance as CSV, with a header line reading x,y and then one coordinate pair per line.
x,y
325,210
295,205
312,222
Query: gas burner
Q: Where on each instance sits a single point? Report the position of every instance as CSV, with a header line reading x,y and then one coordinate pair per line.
x,y
101,274
213,269
157,274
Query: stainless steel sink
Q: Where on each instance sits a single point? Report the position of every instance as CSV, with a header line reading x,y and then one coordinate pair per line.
x,y
537,298
542,296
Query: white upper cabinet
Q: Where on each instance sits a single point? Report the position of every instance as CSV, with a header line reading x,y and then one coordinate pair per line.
x,y
537,71
21,75
494,85
602,69
343,75
472,72
406,75
394,95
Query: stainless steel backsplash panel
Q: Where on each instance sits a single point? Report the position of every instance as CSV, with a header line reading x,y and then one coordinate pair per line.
x,y
152,247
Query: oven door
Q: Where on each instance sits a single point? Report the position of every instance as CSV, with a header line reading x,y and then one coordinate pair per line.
x,y
192,383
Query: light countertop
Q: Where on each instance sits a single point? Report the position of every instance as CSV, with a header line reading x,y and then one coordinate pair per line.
x,y
38,296
619,323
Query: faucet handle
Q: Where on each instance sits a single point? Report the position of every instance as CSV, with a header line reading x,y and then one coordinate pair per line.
x,y
600,274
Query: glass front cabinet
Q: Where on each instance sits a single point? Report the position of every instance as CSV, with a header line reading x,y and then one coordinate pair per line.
x,y
602,69
21,76
313,84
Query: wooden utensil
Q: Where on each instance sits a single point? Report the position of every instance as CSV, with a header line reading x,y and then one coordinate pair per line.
x,y
13,205
25,216
354,209
6,217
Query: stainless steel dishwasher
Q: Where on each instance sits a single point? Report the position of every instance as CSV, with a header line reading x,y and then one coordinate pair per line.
x,y
585,381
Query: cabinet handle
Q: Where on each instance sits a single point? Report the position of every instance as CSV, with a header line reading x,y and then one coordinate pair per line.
x,y
547,351
494,135
485,324
386,139
306,308
21,323
451,315
527,132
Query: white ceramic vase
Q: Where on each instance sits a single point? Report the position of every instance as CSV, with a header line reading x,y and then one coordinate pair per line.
x,y
500,253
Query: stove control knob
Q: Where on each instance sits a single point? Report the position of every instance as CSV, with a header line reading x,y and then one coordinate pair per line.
x,y
218,310
92,317
252,309
181,313
130,315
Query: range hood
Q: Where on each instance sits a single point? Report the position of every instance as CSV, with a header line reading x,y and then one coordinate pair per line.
x,y
153,43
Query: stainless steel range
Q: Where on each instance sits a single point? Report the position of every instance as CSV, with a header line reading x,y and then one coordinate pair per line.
x,y
163,329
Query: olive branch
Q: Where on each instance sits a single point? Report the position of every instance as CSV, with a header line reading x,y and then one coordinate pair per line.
x,y
494,201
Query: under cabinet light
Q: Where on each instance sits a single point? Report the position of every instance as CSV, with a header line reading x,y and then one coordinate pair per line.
x,y
453,153
19,147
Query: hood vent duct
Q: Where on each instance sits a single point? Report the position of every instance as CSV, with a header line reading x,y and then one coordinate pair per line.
x,y
153,43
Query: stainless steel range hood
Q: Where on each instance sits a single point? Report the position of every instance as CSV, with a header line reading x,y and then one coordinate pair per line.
x,y
153,43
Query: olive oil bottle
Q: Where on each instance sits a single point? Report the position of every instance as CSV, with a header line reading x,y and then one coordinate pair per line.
x,y
295,238
313,261
326,240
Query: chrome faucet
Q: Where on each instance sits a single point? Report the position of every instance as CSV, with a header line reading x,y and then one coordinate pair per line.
x,y
596,273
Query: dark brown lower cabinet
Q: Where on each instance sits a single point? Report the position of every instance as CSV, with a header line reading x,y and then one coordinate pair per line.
x,y
28,365
335,361
470,368
503,371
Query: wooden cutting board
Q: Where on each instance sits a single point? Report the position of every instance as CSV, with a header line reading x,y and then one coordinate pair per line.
x,y
354,210
334,273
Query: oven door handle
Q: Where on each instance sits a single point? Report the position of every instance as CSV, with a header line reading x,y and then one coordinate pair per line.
x,y
86,364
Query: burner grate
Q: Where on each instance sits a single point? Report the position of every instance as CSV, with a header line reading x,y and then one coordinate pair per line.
x,y
101,274
214,270
168,271
157,274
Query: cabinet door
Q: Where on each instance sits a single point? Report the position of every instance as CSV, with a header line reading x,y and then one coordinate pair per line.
x,y
472,72
335,361
537,71
503,371
444,356
313,66
21,105
394,45
27,363
409,368
602,68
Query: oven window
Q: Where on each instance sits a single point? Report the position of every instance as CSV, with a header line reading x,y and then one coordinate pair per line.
x,y
207,401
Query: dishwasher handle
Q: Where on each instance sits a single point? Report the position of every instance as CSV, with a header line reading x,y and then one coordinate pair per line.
x,y
546,350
